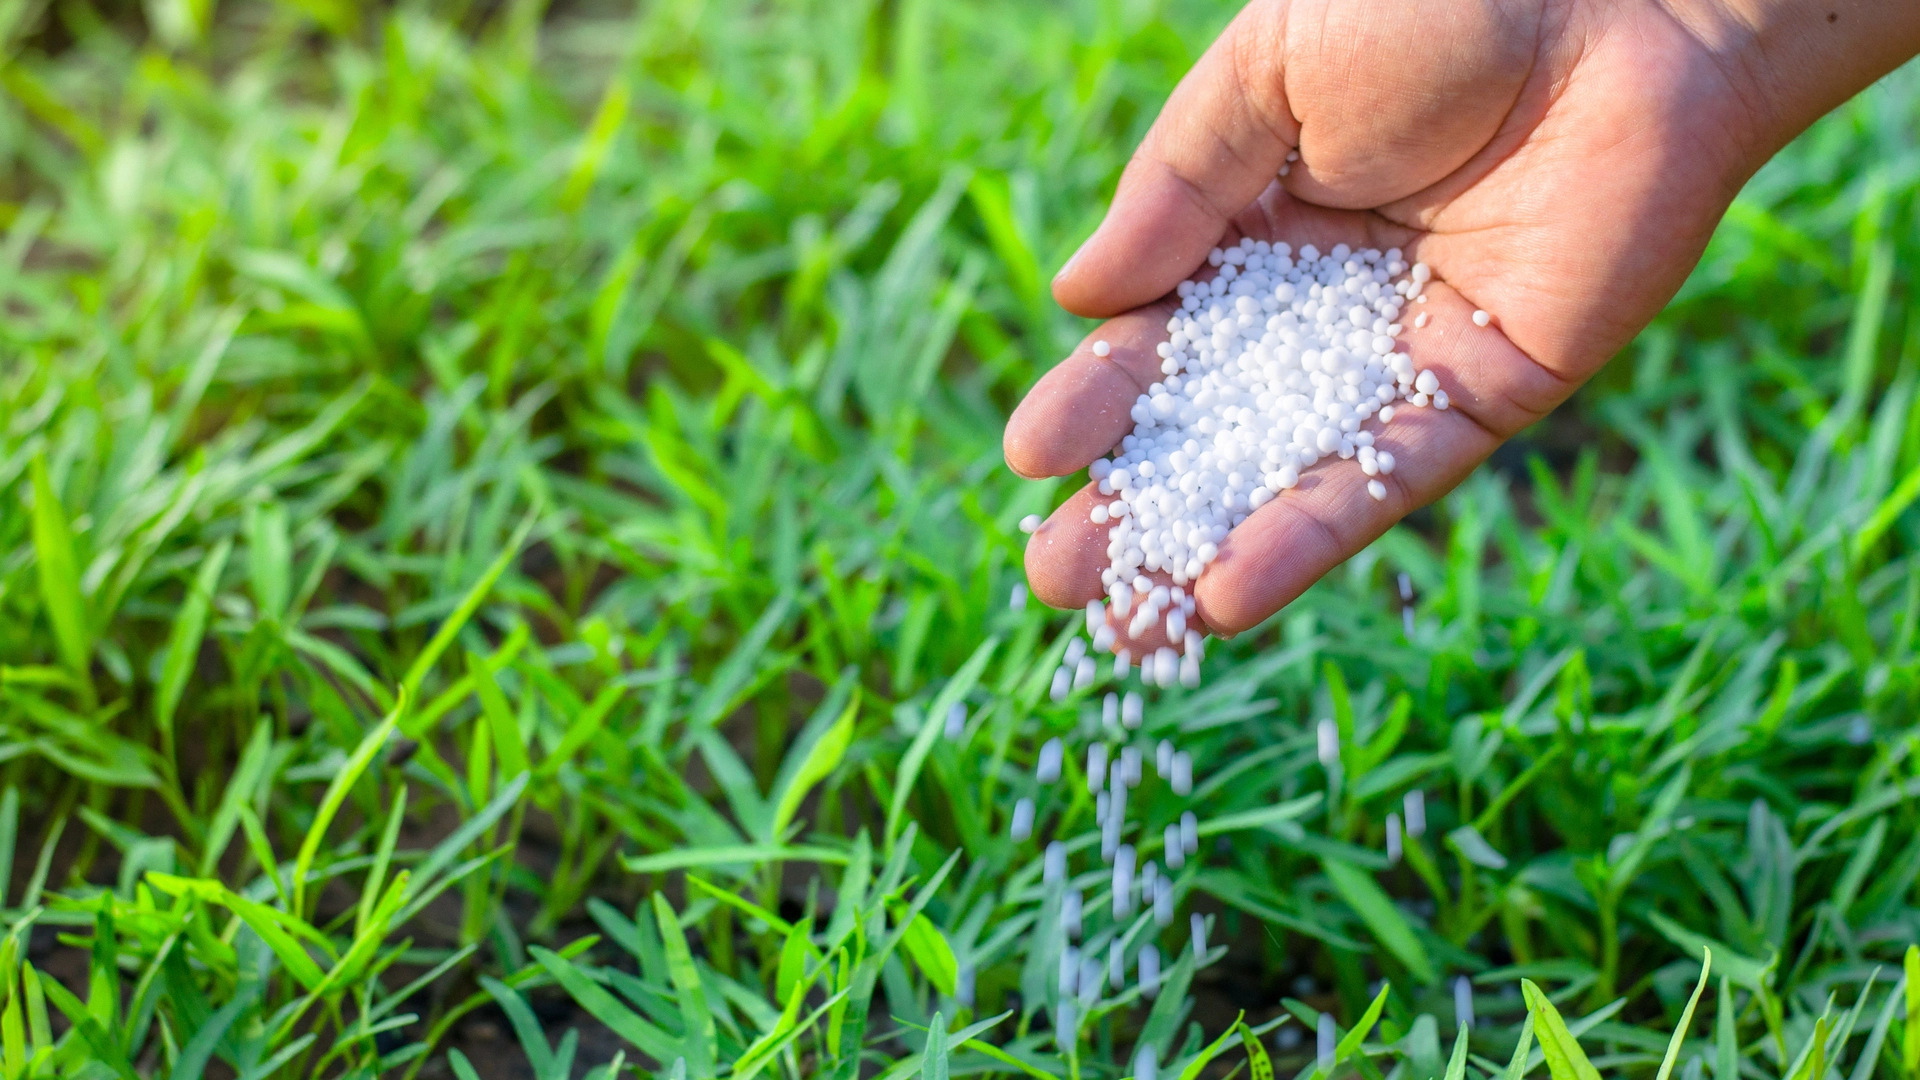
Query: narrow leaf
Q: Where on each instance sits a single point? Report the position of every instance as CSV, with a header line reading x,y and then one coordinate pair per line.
x,y
1382,917
1565,1059
700,1043
59,571
183,640
1686,1018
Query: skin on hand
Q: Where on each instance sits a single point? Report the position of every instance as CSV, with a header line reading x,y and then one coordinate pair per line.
x,y
1558,163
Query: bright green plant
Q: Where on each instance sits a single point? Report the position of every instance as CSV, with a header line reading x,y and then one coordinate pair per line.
x,y
501,502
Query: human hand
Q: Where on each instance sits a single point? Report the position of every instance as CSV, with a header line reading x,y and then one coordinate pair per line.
x,y
1559,163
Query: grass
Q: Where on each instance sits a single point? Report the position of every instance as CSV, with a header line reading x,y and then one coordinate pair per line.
x,y
494,497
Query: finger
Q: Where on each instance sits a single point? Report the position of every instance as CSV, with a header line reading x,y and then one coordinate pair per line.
x,y
1391,101
1494,390
1066,554
1221,138
1080,409
1064,561
1284,547
1487,378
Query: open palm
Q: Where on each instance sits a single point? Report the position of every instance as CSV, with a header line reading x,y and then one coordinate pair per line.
x,y
1558,164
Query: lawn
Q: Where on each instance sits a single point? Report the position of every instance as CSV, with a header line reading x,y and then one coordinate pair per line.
x,y
505,571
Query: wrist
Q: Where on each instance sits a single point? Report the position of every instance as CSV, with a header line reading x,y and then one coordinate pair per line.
x,y
1793,61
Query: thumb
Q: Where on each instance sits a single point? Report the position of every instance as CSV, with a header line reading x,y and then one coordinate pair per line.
x,y
1217,144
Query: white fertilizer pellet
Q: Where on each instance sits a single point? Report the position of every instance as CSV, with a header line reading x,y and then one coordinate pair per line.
x,y
1149,970
1176,852
1415,805
1280,361
1327,740
1018,600
1481,318
1198,926
1022,819
956,721
1091,969
1054,868
1062,683
1052,755
1393,839
1029,523
1463,1001
1102,349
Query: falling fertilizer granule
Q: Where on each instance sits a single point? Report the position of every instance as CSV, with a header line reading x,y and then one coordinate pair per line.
x,y
1278,361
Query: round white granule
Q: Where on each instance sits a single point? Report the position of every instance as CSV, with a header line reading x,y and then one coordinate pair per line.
x,y
1378,490
1481,318
1101,348
1030,523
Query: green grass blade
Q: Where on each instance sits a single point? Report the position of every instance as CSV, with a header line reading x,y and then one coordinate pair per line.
x,y
95,1036
59,573
470,603
1259,1065
1517,1065
183,639
9,838
1910,1035
1377,910
700,1042
337,790
1212,1050
1686,1018
815,754
934,1057
193,1059
1726,1038
382,857
930,725
1457,1062
1565,1059
647,1038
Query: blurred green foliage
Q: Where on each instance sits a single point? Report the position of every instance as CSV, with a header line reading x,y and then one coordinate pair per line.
x,y
495,495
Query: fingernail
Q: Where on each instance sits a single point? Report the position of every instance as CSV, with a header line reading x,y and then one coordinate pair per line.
x,y
1067,267
1073,260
